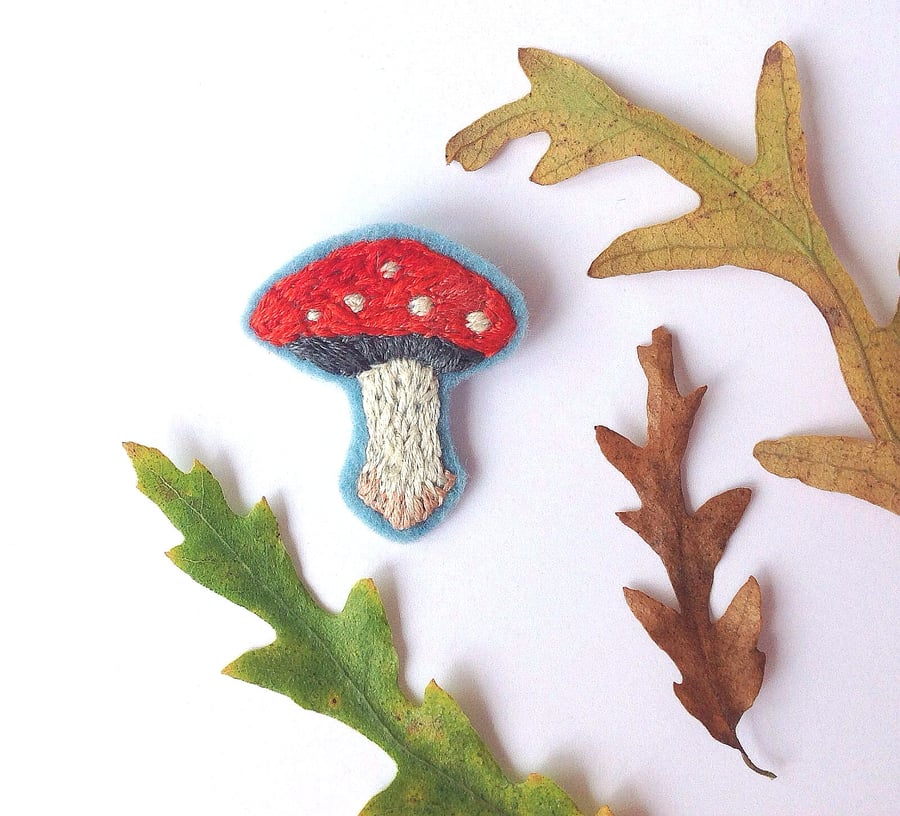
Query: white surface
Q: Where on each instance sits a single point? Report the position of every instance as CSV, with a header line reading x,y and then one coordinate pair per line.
x,y
161,160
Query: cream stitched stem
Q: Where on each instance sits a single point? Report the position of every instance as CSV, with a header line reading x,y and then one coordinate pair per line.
x,y
403,477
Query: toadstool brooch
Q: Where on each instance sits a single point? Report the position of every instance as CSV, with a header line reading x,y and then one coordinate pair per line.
x,y
398,315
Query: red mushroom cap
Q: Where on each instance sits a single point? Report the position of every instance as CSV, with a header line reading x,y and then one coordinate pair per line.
x,y
390,287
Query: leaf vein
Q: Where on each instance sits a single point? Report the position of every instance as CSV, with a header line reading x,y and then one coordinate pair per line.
x,y
402,747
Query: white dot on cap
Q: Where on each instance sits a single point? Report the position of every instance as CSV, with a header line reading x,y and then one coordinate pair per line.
x,y
313,315
421,305
477,322
390,269
355,302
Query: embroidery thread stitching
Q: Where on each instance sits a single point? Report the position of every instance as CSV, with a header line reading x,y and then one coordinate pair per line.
x,y
402,319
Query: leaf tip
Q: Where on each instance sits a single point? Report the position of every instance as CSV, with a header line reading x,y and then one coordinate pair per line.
x,y
527,55
451,151
459,150
743,494
138,453
769,453
602,266
231,670
661,336
777,53
366,591
540,177
435,694
602,433
608,440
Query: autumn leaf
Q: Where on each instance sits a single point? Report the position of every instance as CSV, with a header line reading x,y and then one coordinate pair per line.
x,y
855,466
720,664
343,665
757,216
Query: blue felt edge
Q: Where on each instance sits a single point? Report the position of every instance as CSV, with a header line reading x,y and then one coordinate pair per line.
x,y
356,453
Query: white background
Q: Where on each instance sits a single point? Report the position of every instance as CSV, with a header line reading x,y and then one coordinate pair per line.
x,y
161,160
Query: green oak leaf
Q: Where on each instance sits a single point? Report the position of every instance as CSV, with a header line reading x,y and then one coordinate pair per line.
x,y
341,665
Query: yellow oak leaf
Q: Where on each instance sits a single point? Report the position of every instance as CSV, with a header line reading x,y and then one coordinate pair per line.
x,y
868,470
757,216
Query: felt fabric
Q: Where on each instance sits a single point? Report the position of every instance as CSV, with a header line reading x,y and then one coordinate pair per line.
x,y
379,291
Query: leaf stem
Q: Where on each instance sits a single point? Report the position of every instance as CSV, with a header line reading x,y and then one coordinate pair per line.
x,y
753,766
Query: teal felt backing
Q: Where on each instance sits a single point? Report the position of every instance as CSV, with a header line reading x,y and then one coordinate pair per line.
x,y
356,451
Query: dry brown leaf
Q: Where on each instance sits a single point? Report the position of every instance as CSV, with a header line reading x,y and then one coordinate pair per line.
x,y
721,667
757,216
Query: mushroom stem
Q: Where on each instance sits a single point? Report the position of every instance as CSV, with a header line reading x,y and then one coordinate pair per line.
x,y
403,477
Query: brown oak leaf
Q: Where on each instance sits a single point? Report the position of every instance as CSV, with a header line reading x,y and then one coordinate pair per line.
x,y
720,664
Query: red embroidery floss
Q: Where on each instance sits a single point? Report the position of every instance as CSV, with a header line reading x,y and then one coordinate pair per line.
x,y
399,315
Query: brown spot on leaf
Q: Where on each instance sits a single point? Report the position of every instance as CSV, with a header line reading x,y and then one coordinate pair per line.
x,y
834,317
774,55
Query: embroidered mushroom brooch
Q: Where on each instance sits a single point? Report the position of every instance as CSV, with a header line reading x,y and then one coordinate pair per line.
x,y
397,315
